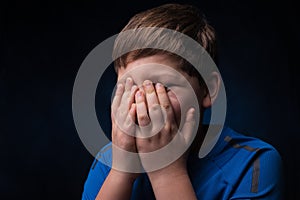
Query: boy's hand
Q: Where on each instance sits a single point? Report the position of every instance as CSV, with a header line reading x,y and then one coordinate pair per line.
x,y
123,126
146,108
174,176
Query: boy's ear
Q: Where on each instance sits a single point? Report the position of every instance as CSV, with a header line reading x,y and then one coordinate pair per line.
x,y
214,85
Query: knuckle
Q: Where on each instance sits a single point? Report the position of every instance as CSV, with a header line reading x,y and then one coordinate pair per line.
x,y
142,145
125,143
167,127
170,128
154,108
166,106
143,119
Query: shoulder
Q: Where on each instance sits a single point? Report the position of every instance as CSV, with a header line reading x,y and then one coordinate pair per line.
x,y
238,148
251,166
98,172
236,144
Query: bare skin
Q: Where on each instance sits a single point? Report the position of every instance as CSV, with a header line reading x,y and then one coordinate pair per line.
x,y
135,103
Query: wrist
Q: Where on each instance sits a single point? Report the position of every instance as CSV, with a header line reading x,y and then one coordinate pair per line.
x,y
161,180
168,173
124,176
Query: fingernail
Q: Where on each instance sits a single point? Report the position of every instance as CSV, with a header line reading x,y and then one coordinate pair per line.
x,y
128,80
139,94
159,85
147,83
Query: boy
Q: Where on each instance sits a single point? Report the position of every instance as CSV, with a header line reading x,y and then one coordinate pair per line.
x,y
238,167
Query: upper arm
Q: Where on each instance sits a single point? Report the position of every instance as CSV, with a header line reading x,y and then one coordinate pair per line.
x,y
263,177
96,177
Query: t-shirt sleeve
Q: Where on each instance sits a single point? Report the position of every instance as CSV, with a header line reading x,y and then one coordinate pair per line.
x,y
263,178
97,174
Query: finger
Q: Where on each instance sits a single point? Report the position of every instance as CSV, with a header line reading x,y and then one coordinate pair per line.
x,y
125,101
132,112
128,84
117,98
154,110
129,124
150,94
132,96
141,109
165,102
189,125
130,119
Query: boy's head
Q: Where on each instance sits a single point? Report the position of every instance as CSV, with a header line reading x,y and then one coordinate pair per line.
x,y
185,19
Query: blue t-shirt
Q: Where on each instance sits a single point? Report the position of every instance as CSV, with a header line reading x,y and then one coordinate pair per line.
x,y
238,167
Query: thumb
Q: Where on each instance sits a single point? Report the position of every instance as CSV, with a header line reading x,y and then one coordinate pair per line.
x,y
189,126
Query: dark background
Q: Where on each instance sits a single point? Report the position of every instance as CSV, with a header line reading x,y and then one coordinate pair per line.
x,y
44,43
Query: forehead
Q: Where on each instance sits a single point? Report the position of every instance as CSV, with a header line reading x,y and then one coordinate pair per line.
x,y
135,67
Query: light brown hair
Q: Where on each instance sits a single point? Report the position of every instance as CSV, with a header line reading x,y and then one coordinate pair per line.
x,y
185,19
